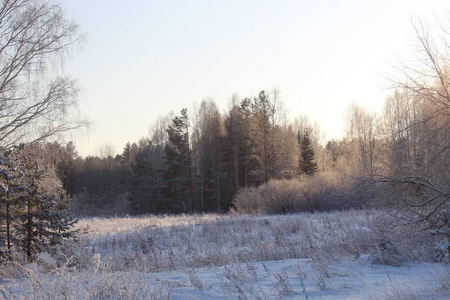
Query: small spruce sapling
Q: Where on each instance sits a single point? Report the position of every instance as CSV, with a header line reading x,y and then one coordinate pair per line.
x,y
443,247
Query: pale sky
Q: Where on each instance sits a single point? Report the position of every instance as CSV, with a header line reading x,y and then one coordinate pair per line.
x,y
143,59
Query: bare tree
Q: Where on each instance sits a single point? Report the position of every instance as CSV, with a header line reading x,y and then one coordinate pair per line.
x,y
106,150
207,144
36,102
421,115
233,125
158,136
361,131
158,130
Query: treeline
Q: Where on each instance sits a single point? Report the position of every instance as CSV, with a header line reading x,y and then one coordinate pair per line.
x,y
192,162
252,159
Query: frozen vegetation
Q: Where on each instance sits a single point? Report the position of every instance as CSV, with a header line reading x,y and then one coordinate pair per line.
x,y
340,255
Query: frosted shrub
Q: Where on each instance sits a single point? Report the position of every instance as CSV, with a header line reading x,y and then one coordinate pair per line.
x,y
316,192
396,243
46,261
286,196
280,196
248,200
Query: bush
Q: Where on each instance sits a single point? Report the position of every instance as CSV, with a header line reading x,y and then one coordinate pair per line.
x,y
247,200
287,196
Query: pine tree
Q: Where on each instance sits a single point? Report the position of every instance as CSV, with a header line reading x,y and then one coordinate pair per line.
x,y
262,135
59,219
235,154
44,219
144,187
208,142
129,155
36,205
307,161
249,141
178,189
10,175
246,158
231,147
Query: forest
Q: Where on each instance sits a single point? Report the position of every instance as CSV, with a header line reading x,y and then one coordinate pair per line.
x,y
252,159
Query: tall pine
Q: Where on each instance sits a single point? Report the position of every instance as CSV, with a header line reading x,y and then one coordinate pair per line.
x,y
145,183
208,140
178,191
262,135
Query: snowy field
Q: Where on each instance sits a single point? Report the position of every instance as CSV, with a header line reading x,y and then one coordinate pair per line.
x,y
341,255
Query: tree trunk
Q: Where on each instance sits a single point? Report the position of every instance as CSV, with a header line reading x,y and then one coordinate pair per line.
x,y
29,229
8,230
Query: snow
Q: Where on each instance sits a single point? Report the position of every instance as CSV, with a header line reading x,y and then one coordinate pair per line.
x,y
295,278
285,279
304,256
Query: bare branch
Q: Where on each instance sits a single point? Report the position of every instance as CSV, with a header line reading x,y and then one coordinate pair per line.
x,y
34,104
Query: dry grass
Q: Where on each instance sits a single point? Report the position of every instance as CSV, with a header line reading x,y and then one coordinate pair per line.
x,y
116,253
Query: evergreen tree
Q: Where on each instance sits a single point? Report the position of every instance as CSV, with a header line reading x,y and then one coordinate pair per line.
x,y
43,219
178,189
207,142
262,135
249,142
307,161
245,157
231,148
10,175
35,204
235,153
58,216
145,184
129,155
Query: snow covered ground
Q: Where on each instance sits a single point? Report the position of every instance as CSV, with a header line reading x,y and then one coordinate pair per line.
x,y
342,255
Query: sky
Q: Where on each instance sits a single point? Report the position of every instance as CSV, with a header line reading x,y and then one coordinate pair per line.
x,y
142,59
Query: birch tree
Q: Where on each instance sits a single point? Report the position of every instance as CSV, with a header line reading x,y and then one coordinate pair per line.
x,y
37,102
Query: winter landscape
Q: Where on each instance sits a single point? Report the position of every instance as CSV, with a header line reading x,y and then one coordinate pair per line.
x,y
341,255
254,194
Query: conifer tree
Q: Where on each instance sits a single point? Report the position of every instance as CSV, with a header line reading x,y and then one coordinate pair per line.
x,y
10,175
43,219
144,183
249,140
178,189
307,161
129,155
246,157
262,110
236,157
231,147
208,142
35,204
58,217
